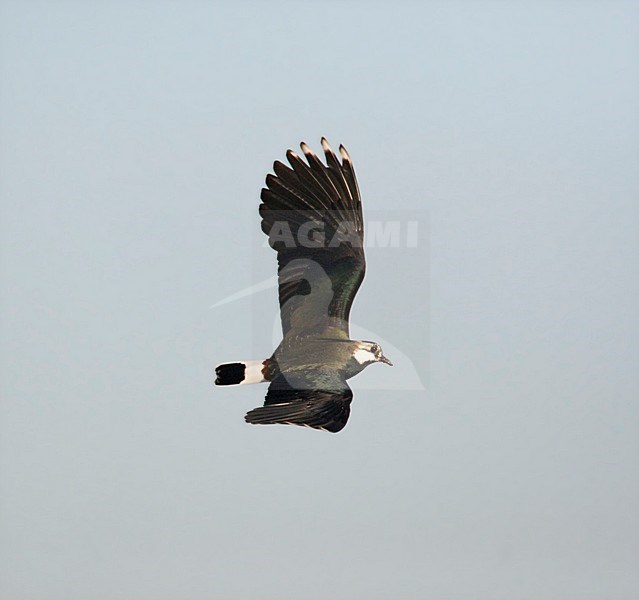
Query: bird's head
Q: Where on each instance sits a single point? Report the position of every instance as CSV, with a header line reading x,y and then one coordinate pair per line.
x,y
367,353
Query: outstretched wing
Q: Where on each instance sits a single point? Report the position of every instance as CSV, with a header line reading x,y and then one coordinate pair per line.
x,y
312,214
317,399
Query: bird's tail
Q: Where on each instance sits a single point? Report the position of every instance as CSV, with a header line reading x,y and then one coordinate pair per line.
x,y
242,372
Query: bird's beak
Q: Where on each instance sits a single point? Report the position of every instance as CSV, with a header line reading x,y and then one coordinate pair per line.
x,y
385,360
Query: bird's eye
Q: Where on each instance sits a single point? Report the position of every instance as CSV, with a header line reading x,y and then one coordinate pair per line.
x,y
375,349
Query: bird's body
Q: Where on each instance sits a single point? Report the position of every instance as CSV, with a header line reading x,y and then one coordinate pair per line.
x,y
312,215
335,354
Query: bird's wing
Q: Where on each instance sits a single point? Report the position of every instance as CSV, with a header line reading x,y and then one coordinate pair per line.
x,y
318,399
312,214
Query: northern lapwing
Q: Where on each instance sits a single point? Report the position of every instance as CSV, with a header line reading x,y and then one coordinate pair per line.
x,y
312,215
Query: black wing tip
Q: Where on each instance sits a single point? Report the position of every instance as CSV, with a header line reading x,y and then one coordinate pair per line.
x,y
270,415
290,154
289,402
326,146
344,153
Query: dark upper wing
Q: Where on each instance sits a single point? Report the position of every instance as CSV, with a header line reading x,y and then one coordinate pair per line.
x,y
312,214
318,399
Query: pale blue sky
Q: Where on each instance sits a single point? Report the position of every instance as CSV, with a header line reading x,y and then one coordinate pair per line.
x,y
134,140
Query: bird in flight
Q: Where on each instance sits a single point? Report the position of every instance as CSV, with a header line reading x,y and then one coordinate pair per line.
x,y
312,215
